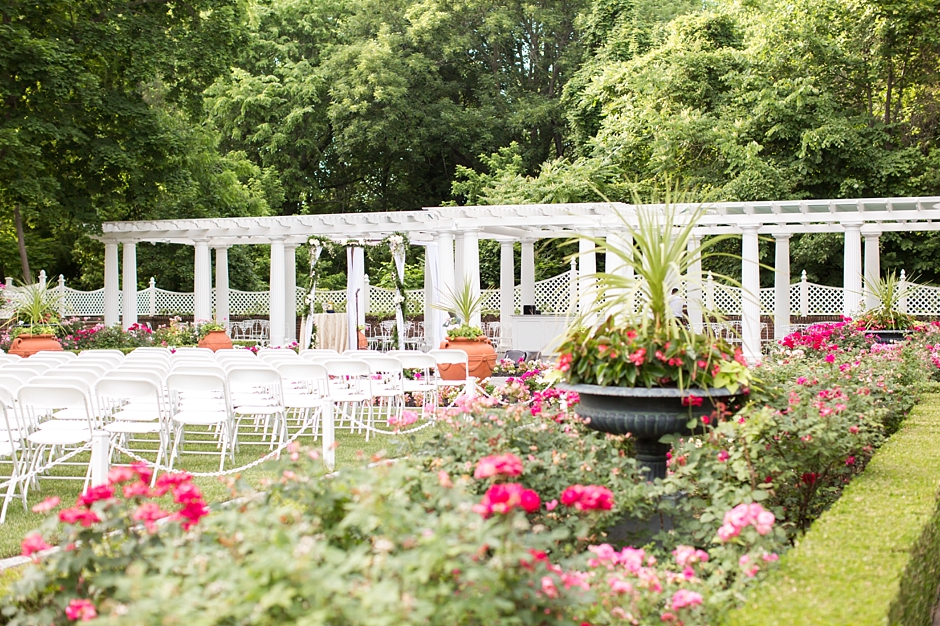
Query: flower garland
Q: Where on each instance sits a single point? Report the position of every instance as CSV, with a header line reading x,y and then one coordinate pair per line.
x,y
398,243
318,244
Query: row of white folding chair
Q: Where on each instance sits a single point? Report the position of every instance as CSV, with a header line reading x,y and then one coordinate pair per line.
x,y
11,451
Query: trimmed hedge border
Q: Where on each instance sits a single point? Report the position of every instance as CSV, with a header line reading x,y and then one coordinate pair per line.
x,y
874,557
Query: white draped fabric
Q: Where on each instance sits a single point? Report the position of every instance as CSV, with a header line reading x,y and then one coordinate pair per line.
x,y
398,255
315,250
355,284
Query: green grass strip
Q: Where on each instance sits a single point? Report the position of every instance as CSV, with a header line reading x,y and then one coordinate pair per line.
x,y
874,557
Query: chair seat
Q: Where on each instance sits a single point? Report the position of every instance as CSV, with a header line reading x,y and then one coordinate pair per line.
x,y
412,385
303,401
60,437
63,425
71,413
259,409
200,418
133,428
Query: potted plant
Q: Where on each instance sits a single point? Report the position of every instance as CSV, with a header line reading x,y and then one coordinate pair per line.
x,y
481,357
884,322
641,369
213,335
37,313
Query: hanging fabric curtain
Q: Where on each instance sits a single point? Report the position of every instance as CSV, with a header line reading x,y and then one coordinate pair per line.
x,y
355,282
433,322
315,249
397,246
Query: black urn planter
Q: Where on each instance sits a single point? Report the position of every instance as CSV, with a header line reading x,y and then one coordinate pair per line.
x,y
888,336
647,414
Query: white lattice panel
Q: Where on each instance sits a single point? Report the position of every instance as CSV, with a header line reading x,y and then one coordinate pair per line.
x,y
767,298
795,299
553,295
491,299
824,300
415,300
82,303
381,301
922,300
727,299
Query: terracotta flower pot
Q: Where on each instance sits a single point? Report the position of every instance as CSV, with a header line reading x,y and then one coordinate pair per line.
x,y
28,345
216,340
363,341
481,358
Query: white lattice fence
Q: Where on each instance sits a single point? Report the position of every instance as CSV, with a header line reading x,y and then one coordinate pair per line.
x,y
824,300
81,303
552,295
320,298
923,300
727,300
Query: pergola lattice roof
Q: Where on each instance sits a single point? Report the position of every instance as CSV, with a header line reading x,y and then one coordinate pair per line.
x,y
534,221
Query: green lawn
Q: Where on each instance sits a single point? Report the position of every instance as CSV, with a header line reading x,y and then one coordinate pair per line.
x,y
352,449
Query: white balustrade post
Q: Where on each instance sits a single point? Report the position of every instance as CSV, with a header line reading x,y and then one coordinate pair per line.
x,y
902,292
329,450
872,266
782,285
460,272
153,296
42,279
100,444
852,270
129,274
693,291
507,288
804,295
222,305
61,296
572,288
471,268
587,267
527,272
276,314
710,292
202,282
750,293
111,299
290,292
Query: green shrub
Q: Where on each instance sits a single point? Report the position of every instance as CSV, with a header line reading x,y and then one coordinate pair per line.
x,y
871,558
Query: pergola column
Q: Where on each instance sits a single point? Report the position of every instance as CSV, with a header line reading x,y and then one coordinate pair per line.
x,y
781,285
290,292
129,274
587,267
445,263
221,285
432,285
112,303
872,266
276,283
693,286
527,272
471,268
614,264
202,283
507,288
852,269
750,294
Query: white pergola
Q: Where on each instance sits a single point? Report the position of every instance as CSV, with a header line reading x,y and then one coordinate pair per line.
x,y
451,236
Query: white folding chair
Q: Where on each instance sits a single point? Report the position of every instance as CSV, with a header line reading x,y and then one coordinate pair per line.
x,y
349,387
54,356
258,396
135,407
200,403
387,388
419,371
455,364
12,447
305,387
39,405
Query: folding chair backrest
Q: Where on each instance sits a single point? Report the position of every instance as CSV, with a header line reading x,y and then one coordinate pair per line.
x,y
55,357
384,364
347,367
57,395
244,378
273,353
304,372
35,366
202,384
128,389
196,368
152,375
21,375
450,358
191,350
318,352
416,360
101,352
150,350
90,375
11,384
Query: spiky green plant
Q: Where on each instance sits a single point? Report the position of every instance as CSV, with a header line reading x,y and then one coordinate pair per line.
x,y
36,305
464,304
886,313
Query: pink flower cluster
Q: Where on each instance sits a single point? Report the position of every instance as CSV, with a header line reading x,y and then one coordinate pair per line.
x,y
405,419
81,610
744,515
588,498
504,497
498,465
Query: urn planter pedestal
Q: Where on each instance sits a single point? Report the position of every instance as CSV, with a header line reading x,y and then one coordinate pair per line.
x,y
648,414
